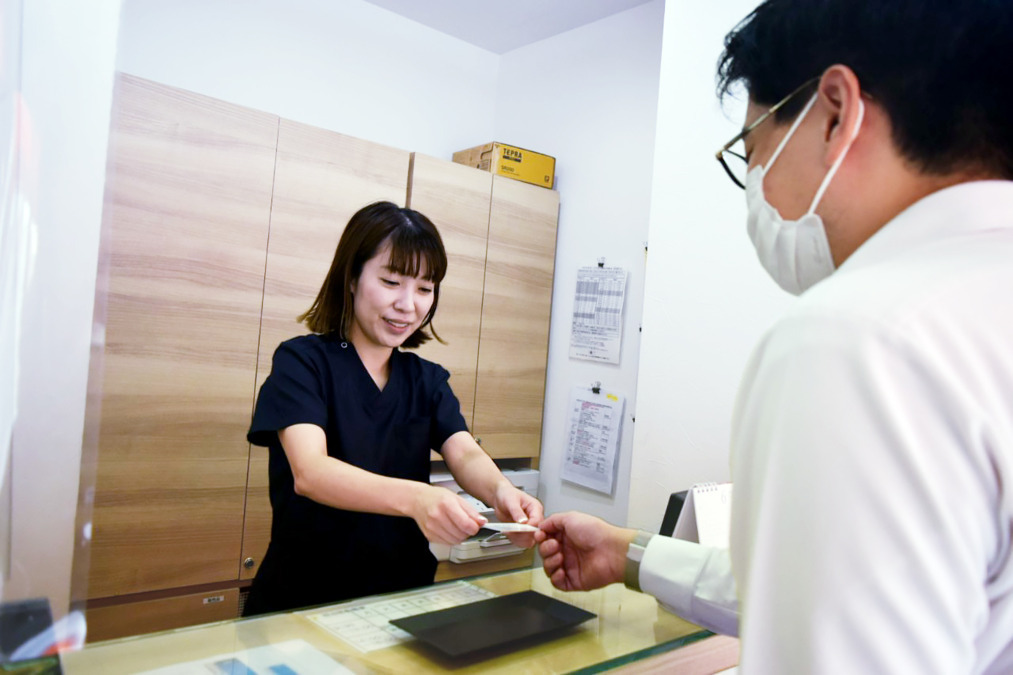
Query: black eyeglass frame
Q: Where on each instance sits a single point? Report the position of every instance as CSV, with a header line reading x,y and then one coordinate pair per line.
x,y
726,148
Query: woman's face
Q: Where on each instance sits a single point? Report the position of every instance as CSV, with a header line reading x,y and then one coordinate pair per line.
x,y
389,307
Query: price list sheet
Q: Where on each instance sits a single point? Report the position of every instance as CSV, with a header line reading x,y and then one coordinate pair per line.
x,y
365,624
593,445
597,330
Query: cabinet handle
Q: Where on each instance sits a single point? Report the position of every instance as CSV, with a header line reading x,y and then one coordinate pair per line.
x,y
478,439
249,563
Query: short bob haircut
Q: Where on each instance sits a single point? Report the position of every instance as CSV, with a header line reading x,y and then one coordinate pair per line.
x,y
414,243
939,68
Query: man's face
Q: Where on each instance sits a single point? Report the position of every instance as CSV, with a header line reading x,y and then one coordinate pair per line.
x,y
791,183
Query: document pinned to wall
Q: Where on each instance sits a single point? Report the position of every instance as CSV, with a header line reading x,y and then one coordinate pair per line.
x,y
592,450
597,331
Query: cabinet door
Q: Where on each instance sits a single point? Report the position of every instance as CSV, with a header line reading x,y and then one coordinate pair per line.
x,y
514,344
456,198
186,219
148,616
322,178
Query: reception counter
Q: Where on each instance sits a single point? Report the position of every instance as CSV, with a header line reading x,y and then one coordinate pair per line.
x,y
631,633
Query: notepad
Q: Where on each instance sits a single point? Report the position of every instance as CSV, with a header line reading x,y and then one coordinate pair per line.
x,y
706,517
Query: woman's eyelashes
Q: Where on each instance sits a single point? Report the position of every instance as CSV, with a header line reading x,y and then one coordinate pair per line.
x,y
394,283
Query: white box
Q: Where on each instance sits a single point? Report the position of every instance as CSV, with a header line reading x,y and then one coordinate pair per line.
x,y
483,547
471,549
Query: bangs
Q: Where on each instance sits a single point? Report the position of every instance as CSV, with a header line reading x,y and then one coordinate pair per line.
x,y
411,249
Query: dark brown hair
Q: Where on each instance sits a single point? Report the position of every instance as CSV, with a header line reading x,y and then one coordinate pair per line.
x,y
939,68
413,240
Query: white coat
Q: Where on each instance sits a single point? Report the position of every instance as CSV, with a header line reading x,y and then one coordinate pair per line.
x,y
872,448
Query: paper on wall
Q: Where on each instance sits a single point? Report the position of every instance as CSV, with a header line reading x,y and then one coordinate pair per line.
x,y
597,330
592,448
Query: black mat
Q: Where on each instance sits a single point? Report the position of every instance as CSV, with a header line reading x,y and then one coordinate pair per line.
x,y
486,624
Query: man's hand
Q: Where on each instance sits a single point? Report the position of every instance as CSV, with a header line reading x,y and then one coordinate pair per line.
x,y
580,552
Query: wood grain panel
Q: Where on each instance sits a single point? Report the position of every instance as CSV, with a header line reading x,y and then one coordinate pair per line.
x,y
147,616
187,209
257,523
456,198
515,318
322,178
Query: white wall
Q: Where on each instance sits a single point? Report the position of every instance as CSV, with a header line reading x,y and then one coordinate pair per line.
x,y
348,66
589,98
68,55
707,300
355,68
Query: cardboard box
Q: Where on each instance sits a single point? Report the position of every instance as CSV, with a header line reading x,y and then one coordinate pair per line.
x,y
511,161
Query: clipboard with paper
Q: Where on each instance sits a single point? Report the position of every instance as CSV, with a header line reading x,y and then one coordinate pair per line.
x,y
706,515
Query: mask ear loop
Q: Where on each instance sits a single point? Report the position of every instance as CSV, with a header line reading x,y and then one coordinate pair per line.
x,y
840,158
791,132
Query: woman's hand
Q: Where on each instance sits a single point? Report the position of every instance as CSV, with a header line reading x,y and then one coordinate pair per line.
x,y
443,517
513,505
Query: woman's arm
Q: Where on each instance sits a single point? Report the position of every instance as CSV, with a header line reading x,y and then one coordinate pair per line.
x,y
442,516
475,471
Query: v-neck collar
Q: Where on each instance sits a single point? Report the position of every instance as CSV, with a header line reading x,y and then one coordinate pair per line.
x,y
370,394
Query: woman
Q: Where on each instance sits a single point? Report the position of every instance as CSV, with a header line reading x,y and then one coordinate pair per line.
x,y
349,420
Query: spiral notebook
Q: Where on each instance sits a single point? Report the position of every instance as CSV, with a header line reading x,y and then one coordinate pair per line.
x,y
706,515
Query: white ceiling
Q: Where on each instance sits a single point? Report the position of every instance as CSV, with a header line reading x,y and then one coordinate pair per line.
x,y
500,26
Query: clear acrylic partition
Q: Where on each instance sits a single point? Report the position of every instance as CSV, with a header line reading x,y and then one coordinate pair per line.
x,y
57,62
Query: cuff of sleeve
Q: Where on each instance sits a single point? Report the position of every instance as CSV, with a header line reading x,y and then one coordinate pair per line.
x,y
634,554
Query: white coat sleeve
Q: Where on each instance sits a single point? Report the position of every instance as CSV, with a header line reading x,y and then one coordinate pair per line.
x,y
693,581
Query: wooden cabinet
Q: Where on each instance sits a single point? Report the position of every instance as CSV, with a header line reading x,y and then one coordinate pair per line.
x,y
515,318
187,210
500,236
321,179
106,622
222,223
457,198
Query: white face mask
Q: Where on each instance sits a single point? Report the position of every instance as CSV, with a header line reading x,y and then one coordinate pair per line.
x,y
795,253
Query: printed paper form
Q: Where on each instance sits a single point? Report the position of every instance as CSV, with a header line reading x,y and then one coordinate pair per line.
x,y
597,330
366,624
593,444
293,657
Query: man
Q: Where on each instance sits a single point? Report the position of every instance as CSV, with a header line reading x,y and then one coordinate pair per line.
x,y
872,438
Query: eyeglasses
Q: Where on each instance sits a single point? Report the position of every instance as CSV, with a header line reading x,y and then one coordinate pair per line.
x,y
737,171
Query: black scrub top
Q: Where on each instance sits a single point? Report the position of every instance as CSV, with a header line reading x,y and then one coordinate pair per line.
x,y
319,554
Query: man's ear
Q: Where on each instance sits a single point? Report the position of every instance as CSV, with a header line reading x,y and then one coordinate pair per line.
x,y
841,99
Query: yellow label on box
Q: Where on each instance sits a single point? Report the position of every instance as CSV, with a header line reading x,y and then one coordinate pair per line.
x,y
530,167
511,161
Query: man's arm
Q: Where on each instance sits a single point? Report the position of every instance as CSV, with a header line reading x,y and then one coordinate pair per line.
x,y
581,552
693,581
